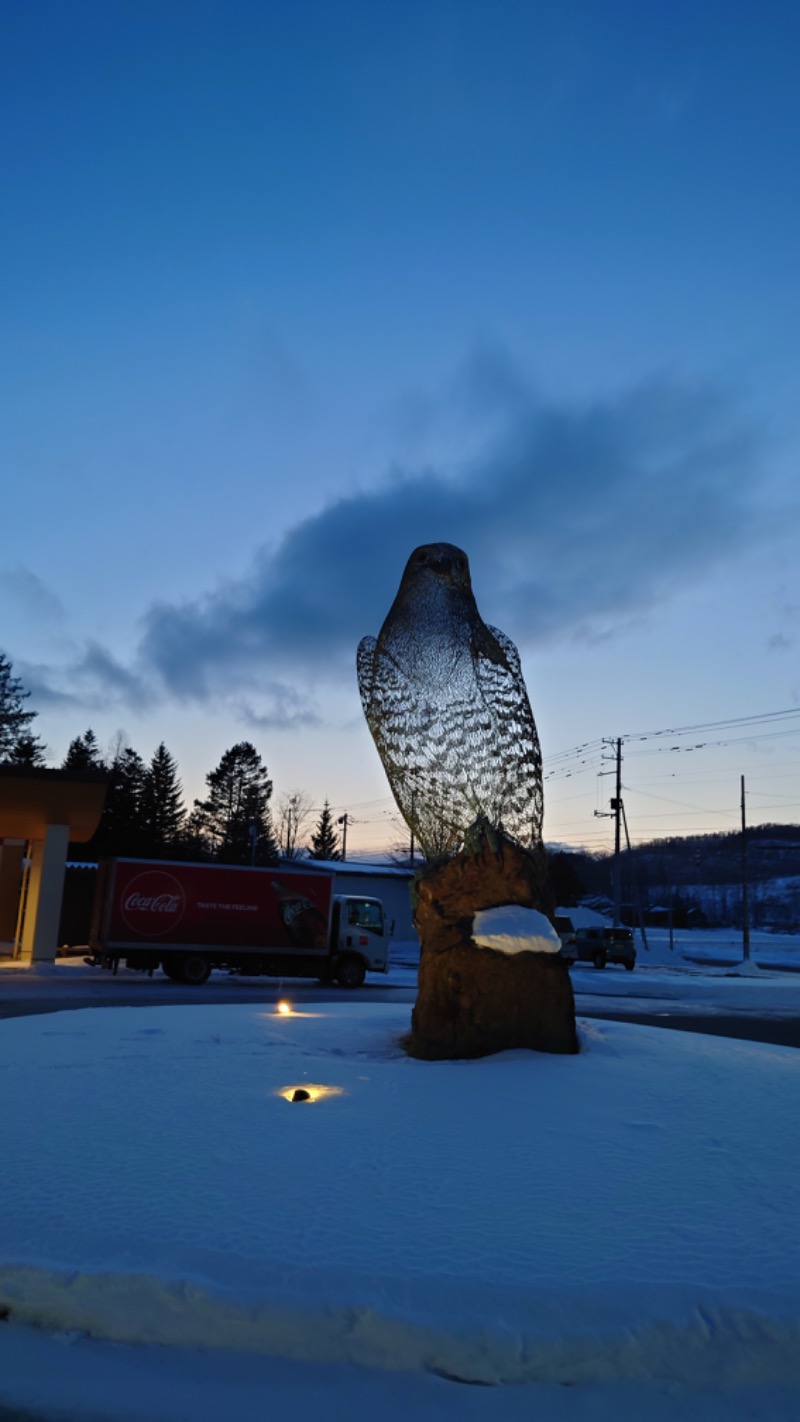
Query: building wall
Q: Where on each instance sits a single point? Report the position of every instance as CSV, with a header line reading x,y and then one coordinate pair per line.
x,y
394,892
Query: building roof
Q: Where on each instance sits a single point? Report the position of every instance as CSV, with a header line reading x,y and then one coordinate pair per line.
x,y
352,866
32,800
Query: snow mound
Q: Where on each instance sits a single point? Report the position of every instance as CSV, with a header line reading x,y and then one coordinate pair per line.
x,y
477,1336
514,929
627,1212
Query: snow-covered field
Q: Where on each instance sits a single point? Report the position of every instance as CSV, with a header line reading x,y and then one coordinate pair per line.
x,y
685,948
701,972
612,1234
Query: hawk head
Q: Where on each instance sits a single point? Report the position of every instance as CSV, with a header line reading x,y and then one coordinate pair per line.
x,y
438,562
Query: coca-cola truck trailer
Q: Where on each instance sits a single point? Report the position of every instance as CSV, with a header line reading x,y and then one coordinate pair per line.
x,y
190,918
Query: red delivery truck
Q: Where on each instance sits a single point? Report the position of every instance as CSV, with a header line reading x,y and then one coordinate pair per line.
x,y
190,918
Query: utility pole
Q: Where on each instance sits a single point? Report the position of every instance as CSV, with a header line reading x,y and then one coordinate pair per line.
x,y
344,821
745,903
616,811
636,893
616,805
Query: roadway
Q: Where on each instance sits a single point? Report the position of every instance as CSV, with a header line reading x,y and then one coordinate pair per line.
x,y
28,994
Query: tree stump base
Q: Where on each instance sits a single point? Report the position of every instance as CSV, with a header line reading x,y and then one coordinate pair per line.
x,y
474,1001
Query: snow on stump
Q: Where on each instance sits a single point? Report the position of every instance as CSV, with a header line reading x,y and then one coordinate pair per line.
x,y
489,981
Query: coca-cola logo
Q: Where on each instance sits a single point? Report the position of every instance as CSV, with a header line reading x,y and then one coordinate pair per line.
x,y
294,907
153,903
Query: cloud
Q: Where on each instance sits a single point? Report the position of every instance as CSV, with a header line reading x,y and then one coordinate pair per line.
x,y
97,667
95,680
280,708
575,520
31,594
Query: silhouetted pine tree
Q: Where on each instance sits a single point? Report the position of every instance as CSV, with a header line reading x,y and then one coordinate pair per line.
x,y
30,752
195,842
14,719
121,829
325,841
84,753
163,814
236,816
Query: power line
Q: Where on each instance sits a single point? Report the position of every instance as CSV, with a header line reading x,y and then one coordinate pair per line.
x,y
762,717
695,728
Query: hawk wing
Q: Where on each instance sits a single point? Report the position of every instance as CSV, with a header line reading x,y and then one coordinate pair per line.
x,y
512,760
365,658
416,744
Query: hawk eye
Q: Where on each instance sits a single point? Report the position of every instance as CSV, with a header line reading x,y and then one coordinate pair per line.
x,y
423,558
460,564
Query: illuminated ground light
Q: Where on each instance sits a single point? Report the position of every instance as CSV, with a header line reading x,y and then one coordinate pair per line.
x,y
309,1091
285,1009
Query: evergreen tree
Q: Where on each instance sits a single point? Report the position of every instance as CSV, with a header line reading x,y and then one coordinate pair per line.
x,y
194,842
121,830
236,816
567,881
325,841
84,753
14,719
163,814
30,752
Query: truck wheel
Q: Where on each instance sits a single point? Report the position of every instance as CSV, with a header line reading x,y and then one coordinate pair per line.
x,y
630,966
171,969
195,969
599,960
350,971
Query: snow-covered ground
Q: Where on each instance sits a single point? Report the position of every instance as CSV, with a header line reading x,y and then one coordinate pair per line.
x,y
611,1234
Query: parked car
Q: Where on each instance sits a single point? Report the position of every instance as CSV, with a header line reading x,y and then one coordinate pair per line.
x,y
601,946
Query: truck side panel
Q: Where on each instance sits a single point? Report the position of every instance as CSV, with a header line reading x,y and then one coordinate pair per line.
x,y
150,904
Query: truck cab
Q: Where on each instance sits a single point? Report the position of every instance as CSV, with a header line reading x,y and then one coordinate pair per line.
x,y
358,937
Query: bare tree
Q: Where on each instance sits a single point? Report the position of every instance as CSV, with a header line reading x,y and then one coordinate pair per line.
x,y
294,809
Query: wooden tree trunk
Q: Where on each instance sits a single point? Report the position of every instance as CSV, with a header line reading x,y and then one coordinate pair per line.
x,y
474,1001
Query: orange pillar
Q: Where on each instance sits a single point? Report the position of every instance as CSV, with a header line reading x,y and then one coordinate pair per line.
x,y
45,892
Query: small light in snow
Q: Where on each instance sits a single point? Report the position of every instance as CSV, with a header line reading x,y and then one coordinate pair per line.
x,y
309,1091
284,1008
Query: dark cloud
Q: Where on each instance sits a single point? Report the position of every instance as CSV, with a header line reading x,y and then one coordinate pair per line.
x,y
280,708
576,519
573,518
94,680
97,667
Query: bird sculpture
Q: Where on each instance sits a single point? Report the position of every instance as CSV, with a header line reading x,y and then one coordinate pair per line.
x,y
445,701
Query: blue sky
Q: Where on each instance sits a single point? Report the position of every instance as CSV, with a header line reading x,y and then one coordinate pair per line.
x,y
289,288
